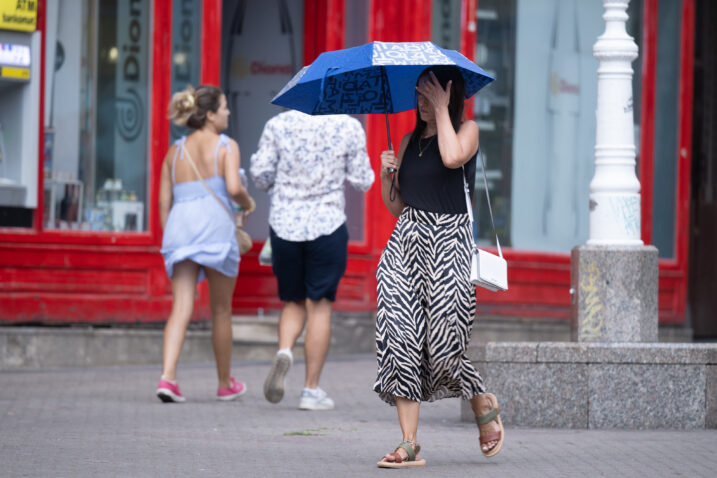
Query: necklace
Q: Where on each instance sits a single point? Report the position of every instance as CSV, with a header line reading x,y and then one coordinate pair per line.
x,y
422,150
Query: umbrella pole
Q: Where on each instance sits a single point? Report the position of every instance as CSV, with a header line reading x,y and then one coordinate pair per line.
x,y
392,192
388,132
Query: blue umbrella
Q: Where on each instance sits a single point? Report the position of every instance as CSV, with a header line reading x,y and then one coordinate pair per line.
x,y
378,77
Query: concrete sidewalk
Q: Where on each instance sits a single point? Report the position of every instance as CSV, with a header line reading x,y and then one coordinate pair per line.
x,y
107,422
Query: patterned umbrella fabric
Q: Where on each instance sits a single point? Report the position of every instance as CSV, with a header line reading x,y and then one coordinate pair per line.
x,y
377,77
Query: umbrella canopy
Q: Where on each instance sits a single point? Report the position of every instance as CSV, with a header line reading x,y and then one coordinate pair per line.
x,y
378,77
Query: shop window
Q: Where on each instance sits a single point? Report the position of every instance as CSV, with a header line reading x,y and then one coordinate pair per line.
x,y
446,23
186,50
355,33
262,48
537,120
667,79
97,115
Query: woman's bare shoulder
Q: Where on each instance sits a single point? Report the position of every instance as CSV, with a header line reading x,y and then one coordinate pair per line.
x,y
233,145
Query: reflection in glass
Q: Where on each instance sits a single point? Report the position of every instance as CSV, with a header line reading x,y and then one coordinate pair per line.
x,y
667,81
262,48
537,120
96,117
186,54
494,110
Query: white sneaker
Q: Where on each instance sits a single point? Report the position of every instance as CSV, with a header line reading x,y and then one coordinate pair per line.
x,y
274,383
315,400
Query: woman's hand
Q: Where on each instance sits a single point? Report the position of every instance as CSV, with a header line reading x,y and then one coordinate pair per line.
x,y
431,90
389,163
251,208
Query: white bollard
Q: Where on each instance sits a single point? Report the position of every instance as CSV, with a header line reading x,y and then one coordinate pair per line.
x,y
614,276
615,189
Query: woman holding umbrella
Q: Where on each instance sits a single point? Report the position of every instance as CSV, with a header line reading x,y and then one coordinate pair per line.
x,y
426,302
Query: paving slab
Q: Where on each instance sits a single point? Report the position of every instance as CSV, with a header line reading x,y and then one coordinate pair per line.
x,y
106,421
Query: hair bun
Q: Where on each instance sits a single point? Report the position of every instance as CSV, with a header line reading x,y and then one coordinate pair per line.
x,y
182,106
188,100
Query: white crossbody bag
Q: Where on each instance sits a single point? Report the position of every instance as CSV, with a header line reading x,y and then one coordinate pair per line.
x,y
487,270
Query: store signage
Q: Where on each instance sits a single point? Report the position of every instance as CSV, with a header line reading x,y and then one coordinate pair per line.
x,y
20,15
131,91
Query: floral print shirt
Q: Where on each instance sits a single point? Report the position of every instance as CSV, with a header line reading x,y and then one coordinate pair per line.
x,y
303,162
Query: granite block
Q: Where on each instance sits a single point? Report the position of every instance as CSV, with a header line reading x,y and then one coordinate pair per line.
x,y
513,352
712,354
20,351
651,353
540,395
353,335
197,348
3,349
711,397
72,352
563,352
118,347
646,396
615,293
476,352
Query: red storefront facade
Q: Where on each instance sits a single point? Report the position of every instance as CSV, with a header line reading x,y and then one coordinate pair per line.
x,y
67,275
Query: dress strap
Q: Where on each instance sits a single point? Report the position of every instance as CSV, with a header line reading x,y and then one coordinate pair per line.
x,y
223,142
178,153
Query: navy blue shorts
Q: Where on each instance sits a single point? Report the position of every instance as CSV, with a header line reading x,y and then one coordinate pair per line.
x,y
309,269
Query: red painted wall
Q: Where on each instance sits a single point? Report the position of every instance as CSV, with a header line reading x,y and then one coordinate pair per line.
x,y
67,276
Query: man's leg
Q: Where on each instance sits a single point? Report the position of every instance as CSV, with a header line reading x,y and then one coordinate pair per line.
x,y
318,336
291,323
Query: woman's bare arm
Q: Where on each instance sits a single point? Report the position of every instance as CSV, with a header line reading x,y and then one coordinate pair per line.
x,y
232,162
456,148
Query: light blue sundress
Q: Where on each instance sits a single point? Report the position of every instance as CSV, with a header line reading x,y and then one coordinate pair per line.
x,y
198,227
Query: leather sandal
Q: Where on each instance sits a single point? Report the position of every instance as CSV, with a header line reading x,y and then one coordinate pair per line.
x,y
492,415
412,460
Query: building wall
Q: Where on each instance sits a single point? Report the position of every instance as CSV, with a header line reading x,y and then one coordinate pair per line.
x,y
58,272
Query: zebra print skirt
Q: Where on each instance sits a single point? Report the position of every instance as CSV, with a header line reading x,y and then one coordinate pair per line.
x,y
426,305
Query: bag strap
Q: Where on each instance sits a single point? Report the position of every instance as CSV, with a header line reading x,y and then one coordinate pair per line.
x,y
469,207
196,170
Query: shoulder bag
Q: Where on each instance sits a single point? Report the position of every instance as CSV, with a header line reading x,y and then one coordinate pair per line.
x,y
243,237
487,270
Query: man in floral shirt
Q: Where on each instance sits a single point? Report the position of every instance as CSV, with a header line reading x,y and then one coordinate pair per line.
x,y
303,162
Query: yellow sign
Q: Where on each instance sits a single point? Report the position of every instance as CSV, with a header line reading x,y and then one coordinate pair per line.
x,y
19,73
18,15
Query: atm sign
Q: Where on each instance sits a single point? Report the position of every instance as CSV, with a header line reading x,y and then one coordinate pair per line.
x,y
16,73
18,15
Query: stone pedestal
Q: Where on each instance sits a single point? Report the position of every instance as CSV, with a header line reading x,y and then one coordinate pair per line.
x,y
614,293
599,385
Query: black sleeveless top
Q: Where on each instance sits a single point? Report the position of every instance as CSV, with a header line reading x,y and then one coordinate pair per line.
x,y
426,184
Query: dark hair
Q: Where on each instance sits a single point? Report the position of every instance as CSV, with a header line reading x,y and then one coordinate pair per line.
x,y
444,74
190,107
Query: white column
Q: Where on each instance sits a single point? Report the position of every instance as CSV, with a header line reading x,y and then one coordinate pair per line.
x,y
615,189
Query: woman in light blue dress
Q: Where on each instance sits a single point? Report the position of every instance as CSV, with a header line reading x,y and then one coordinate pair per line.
x,y
199,233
